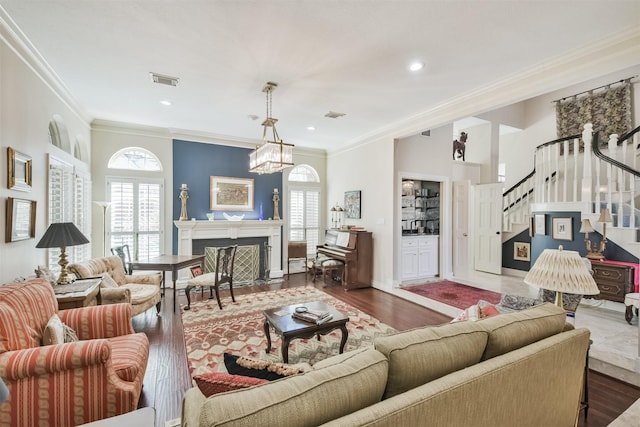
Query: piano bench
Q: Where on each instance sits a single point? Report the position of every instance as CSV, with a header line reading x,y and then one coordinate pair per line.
x,y
326,265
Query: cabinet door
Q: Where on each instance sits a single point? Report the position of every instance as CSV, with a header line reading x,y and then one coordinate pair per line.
x,y
428,258
409,264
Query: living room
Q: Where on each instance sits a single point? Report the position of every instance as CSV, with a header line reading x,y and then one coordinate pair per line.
x,y
521,100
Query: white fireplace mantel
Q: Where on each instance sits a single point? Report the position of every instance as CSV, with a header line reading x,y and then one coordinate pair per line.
x,y
188,231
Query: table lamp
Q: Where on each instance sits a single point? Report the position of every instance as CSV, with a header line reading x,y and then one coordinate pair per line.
x,y
60,235
587,228
561,271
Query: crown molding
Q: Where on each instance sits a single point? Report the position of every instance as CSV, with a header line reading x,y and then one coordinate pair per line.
x,y
20,44
612,54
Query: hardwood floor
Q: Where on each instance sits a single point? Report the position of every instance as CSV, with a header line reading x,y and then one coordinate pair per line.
x,y
167,377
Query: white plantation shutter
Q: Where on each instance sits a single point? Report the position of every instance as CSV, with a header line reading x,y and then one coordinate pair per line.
x,y
304,206
136,216
69,196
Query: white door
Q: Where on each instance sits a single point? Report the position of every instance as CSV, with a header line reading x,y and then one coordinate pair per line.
x,y
488,228
461,228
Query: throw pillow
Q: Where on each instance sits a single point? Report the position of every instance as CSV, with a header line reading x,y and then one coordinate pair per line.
x,y
219,382
256,368
69,334
56,332
53,331
472,313
108,282
44,273
517,302
489,310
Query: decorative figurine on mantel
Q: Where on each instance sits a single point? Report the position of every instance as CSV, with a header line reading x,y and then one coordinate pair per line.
x,y
459,146
184,195
276,199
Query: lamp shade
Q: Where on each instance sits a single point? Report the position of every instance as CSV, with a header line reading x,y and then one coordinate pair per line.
x,y
562,271
586,226
605,216
62,234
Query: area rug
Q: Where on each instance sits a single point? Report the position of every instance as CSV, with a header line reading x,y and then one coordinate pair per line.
x,y
238,329
453,293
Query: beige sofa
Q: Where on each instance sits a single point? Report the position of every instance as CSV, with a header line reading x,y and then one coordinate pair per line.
x,y
523,368
142,291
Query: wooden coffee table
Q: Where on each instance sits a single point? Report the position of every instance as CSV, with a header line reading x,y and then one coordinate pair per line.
x,y
289,328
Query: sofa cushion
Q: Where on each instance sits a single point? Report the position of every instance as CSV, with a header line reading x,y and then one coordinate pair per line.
x,y
422,355
510,331
129,354
107,281
211,383
310,399
141,293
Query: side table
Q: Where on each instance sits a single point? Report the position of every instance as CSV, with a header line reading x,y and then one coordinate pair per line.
x,y
81,293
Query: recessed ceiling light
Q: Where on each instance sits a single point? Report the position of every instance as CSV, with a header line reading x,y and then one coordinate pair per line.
x,y
416,66
311,128
166,103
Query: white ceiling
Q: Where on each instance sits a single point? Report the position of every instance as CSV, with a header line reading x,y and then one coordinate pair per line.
x,y
345,56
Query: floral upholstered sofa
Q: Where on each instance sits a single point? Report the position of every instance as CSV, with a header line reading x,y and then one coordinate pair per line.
x,y
142,291
53,379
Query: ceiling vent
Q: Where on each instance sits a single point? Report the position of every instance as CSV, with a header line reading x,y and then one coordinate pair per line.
x,y
426,132
164,80
334,115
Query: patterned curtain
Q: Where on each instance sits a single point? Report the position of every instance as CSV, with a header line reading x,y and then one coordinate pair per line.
x,y
609,110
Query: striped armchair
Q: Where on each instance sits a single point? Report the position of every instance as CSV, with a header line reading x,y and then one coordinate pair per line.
x,y
96,377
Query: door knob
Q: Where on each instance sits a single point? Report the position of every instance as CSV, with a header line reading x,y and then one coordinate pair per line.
x,y
497,232
465,234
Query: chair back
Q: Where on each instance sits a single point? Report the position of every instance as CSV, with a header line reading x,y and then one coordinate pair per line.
x,y
125,256
225,258
296,250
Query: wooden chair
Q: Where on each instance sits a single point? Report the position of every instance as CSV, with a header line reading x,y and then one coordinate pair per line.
x,y
125,256
225,257
297,251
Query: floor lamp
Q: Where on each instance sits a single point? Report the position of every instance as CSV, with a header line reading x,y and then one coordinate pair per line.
x,y
104,206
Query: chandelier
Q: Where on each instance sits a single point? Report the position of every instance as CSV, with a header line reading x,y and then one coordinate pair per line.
x,y
272,156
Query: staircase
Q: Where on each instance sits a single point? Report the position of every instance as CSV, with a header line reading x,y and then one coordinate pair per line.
x,y
579,174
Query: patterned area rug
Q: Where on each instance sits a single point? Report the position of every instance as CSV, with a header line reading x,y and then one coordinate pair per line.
x,y
453,293
238,329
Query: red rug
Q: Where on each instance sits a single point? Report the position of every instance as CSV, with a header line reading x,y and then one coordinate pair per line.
x,y
454,294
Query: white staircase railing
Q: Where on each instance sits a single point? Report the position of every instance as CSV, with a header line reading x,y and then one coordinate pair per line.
x,y
577,174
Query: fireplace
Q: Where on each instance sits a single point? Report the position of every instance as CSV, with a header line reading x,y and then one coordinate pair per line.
x,y
194,236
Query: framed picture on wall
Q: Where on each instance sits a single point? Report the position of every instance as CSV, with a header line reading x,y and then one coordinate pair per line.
x,y
352,204
18,170
522,251
540,225
231,194
21,220
562,228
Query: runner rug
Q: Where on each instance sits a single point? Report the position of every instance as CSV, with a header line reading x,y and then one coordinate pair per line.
x,y
238,329
453,293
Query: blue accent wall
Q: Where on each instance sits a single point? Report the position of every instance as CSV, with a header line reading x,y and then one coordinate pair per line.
x,y
507,252
539,243
195,162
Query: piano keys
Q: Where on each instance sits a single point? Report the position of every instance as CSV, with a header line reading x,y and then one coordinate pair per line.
x,y
355,249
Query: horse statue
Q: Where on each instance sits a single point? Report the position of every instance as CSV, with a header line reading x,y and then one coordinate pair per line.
x,y
459,146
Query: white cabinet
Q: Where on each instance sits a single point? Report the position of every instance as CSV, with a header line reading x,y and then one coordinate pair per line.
x,y
419,257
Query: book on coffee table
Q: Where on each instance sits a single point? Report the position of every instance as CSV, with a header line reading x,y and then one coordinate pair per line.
x,y
313,316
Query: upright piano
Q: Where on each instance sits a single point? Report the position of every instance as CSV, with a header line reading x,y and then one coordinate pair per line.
x,y
355,249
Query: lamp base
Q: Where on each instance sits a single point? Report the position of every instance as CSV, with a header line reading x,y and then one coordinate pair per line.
x,y
595,255
558,300
64,278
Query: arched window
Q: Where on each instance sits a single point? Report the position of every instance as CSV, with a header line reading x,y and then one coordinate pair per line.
x,y
58,134
303,173
135,158
136,203
304,206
